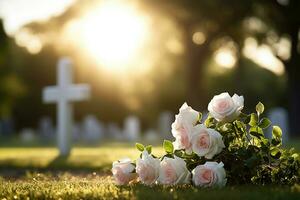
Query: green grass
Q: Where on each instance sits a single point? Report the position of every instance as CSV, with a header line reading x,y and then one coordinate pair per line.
x,y
38,173
91,186
81,158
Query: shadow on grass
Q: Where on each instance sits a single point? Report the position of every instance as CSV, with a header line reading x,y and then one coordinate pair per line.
x,y
64,163
59,164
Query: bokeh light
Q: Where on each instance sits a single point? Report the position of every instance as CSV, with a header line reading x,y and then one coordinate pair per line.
x,y
225,58
263,56
199,38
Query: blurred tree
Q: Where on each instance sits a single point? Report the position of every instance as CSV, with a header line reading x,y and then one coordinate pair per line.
x,y
213,20
221,79
37,71
220,18
206,26
283,17
11,87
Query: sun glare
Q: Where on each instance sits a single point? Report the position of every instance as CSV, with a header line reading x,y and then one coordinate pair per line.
x,y
26,39
113,34
225,58
263,56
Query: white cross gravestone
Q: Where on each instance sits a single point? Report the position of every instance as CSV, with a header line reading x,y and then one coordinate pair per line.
x,y
63,94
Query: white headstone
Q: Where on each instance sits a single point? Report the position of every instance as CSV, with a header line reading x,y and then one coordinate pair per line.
x,y
165,121
132,128
279,117
92,129
151,136
46,129
63,94
27,135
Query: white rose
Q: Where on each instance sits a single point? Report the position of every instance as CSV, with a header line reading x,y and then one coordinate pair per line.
x,y
182,127
147,168
122,171
206,142
211,174
173,171
225,108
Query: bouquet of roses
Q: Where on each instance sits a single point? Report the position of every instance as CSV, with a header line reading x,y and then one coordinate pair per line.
x,y
227,147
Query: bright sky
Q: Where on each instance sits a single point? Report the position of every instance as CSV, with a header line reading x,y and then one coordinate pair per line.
x,y
111,46
19,12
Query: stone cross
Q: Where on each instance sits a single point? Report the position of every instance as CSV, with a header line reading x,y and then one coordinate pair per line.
x,y
63,94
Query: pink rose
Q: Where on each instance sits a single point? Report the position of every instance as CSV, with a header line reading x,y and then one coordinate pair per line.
x,y
122,171
211,174
206,142
147,168
173,171
225,108
182,127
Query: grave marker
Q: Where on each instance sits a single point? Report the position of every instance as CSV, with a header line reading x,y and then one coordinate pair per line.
x,y
92,129
132,128
63,95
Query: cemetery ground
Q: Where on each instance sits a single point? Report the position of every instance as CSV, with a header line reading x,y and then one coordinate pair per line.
x,y
38,173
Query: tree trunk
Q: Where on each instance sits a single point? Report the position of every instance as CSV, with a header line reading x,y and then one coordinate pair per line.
x,y
293,71
196,56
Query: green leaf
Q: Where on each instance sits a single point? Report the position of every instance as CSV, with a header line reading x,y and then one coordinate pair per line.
x,y
179,153
275,142
276,132
260,108
240,125
295,156
264,123
209,121
139,146
264,144
168,146
253,119
275,153
247,119
265,141
256,132
276,136
149,148
200,117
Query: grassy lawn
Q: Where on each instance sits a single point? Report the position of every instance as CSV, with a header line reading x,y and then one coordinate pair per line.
x,y
91,186
81,158
38,173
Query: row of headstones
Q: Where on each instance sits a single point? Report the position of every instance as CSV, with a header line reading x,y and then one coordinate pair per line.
x,y
93,130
